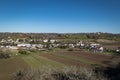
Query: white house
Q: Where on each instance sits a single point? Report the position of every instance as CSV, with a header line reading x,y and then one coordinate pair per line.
x,y
82,45
3,40
45,41
94,45
52,41
10,40
13,47
71,45
23,45
17,41
40,46
1,46
101,49
117,50
77,44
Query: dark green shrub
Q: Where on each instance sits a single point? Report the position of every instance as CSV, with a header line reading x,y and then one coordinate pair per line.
x,y
63,47
23,52
4,55
70,49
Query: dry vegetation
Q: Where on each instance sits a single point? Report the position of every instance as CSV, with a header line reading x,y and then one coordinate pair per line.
x,y
49,73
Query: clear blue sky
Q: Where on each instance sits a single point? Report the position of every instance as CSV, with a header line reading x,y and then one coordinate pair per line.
x,y
60,16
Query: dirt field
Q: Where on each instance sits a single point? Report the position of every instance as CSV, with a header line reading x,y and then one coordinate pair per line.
x,y
111,47
82,58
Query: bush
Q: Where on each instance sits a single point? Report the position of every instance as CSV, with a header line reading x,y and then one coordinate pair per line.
x,y
70,49
63,47
23,52
67,73
5,54
32,50
112,72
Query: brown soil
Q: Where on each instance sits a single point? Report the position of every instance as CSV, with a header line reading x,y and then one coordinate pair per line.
x,y
68,62
96,57
111,47
104,60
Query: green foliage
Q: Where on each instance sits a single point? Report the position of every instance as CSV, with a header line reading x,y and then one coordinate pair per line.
x,y
23,52
63,47
70,49
33,50
96,65
4,55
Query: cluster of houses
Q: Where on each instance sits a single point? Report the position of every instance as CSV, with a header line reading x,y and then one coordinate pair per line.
x,y
95,47
24,40
50,43
91,46
22,43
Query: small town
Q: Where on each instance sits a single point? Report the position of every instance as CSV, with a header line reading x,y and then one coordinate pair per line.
x,y
46,44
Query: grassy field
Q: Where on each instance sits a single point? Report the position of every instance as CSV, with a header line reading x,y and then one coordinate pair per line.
x,y
37,61
9,66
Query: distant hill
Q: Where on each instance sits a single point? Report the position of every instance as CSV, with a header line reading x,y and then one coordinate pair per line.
x,y
99,35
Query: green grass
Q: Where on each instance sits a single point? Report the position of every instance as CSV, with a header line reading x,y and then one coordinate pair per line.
x,y
48,61
10,65
37,61
31,61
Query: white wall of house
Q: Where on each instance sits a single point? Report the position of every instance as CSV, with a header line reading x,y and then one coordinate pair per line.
x,y
71,45
45,41
23,45
52,41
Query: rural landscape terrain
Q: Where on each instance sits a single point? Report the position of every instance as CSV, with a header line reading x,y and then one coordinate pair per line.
x,y
59,56
59,39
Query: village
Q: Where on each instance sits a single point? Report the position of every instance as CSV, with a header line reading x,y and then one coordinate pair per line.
x,y
49,43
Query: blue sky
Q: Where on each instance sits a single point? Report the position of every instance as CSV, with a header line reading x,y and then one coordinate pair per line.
x,y
60,16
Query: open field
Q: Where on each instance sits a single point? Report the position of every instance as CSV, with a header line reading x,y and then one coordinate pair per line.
x,y
9,66
55,59
37,61
82,58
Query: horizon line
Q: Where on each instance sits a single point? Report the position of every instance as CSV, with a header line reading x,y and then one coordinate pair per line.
x,y
61,32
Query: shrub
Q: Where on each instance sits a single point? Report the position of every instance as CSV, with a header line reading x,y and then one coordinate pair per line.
x,y
67,73
23,52
63,47
70,49
32,50
5,54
